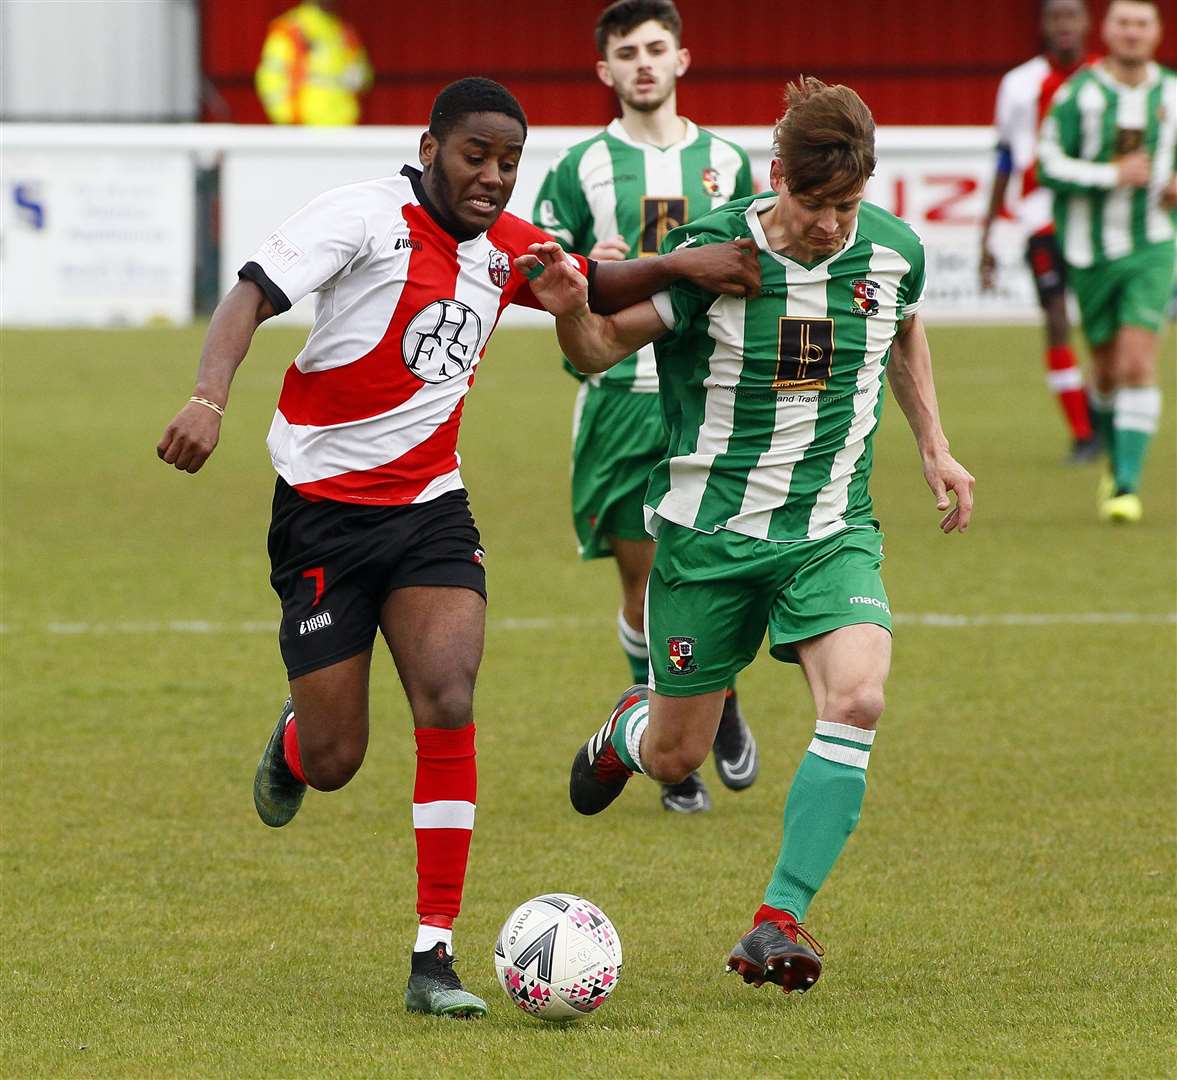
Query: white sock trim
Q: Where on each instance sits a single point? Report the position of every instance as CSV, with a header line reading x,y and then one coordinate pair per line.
x,y
428,936
632,641
443,814
1064,379
635,727
846,731
843,755
1138,408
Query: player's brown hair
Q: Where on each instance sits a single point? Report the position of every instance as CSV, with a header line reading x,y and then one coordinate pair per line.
x,y
825,140
625,15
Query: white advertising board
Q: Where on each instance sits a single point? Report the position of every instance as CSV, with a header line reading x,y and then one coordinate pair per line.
x,y
936,178
96,237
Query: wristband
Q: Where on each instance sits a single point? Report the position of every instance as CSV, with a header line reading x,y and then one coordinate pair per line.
x,y
218,409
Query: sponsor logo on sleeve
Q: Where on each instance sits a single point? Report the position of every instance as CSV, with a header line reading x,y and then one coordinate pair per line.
x,y
280,251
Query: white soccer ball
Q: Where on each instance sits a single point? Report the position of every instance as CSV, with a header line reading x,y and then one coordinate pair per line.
x,y
558,957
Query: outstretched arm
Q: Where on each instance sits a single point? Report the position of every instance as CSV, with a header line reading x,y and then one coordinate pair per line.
x,y
192,435
591,342
732,268
910,373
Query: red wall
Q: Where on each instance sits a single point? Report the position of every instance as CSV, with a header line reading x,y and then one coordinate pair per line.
x,y
913,61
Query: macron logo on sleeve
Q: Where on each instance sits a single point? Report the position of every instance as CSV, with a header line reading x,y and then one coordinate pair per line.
x,y
280,251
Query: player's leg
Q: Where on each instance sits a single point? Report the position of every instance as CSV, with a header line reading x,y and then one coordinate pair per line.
x,y
707,607
433,620
833,618
1062,370
1145,294
634,558
321,563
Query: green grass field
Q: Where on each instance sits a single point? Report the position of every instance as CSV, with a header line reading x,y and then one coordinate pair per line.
x,y
1005,909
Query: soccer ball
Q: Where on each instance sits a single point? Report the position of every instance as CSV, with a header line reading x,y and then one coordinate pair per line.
x,y
558,957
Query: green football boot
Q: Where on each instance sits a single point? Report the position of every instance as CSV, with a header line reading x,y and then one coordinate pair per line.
x,y
276,793
434,987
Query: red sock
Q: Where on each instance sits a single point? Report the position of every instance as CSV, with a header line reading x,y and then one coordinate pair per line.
x,y
1066,380
443,818
291,752
765,913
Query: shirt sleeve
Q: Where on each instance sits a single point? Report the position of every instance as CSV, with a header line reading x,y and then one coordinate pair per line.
x,y
911,287
308,249
1060,167
560,206
743,186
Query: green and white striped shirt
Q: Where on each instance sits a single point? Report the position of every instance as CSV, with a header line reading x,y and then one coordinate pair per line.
x,y
772,402
1093,121
611,185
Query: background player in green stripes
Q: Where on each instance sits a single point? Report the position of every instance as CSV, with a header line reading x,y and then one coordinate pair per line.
x,y
615,196
1108,148
762,510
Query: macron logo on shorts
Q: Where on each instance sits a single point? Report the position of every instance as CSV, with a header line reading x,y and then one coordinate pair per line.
x,y
870,601
315,622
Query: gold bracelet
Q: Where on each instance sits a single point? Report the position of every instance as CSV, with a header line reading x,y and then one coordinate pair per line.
x,y
208,405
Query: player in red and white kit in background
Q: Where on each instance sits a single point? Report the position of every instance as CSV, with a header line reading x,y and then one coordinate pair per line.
x,y
1022,101
371,527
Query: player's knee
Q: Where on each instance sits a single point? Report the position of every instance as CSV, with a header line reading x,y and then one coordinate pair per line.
x,y
859,706
330,767
449,706
674,765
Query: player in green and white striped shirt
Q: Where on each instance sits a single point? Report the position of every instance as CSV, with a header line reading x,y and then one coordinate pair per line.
x,y
761,504
1108,149
616,196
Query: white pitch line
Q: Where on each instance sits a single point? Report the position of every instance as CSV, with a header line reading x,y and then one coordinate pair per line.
x,y
936,619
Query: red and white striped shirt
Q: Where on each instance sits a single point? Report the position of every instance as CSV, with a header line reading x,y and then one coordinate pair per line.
x,y
370,408
1023,99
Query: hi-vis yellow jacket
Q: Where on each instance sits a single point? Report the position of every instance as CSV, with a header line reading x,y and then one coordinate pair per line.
x,y
313,69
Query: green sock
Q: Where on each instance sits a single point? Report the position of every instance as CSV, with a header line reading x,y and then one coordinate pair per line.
x,y
633,644
1103,415
1137,414
821,811
627,735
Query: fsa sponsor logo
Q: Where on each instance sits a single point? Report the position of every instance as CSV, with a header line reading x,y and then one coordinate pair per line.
x,y
870,601
315,622
280,251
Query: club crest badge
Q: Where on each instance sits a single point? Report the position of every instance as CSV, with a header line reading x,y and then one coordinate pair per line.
x,y
498,268
682,656
865,298
711,181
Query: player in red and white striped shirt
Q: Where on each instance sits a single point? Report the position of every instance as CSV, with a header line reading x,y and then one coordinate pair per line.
x,y
1022,101
371,527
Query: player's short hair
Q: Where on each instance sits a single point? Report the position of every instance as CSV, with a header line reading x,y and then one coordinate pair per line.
x,y
472,95
825,140
625,15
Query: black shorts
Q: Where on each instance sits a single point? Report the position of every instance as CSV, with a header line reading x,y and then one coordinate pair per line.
x,y
1046,264
333,565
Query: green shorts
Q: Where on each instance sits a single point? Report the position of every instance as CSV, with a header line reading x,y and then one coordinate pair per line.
x,y
712,596
1133,291
617,439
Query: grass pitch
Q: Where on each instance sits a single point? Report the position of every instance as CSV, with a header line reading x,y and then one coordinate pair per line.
x,y
1005,909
